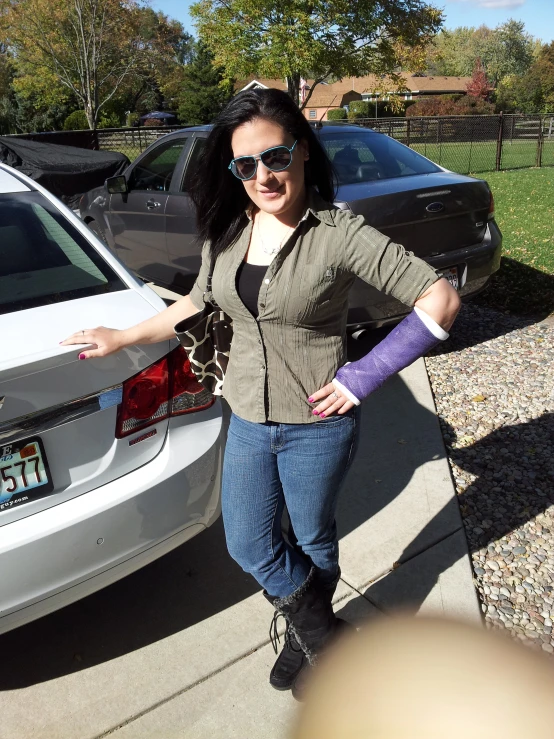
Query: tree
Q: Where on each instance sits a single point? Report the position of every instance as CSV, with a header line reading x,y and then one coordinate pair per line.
x,y
7,107
203,93
534,91
88,48
504,50
158,78
290,39
479,86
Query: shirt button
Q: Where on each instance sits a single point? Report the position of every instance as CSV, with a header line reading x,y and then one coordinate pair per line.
x,y
266,282
262,305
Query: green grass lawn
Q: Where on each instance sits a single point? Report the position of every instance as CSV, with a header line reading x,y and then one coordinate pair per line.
x,y
524,202
480,156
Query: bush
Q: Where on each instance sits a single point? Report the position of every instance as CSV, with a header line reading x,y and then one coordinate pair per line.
x,y
471,105
133,119
76,121
109,120
446,105
359,109
153,122
337,114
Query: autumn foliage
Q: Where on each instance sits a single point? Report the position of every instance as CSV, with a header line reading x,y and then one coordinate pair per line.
x,y
450,105
85,50
479,86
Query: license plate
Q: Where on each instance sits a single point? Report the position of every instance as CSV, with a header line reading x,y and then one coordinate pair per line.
x,y
451,274
24,473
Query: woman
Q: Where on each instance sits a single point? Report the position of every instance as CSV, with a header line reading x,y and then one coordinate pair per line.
x,y
285,259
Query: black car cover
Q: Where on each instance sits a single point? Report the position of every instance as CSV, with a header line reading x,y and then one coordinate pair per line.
x,y
66,171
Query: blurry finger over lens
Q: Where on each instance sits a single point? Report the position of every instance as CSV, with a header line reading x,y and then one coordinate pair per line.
x,y
427,678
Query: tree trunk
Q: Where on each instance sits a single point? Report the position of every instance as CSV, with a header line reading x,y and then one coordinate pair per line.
x,y
293,87
89,112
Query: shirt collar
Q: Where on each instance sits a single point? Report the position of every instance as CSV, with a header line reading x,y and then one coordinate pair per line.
x,y
317,206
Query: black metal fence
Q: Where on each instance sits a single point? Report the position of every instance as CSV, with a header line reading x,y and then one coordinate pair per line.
x,y
460,143
475,143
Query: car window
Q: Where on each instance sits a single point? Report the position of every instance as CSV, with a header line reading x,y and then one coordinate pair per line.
x,y
192,164
365,156
155,170
43,258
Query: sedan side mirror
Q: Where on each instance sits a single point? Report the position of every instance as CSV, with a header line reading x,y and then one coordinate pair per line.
x,y
117,185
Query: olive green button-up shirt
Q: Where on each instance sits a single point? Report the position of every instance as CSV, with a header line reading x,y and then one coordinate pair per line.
x,y
298,341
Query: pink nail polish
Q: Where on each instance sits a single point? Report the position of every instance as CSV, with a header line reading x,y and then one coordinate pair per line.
x,y
310,400
316,413
82,356
322,415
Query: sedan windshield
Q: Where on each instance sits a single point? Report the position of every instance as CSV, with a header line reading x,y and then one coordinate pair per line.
x,y
43,258
363,156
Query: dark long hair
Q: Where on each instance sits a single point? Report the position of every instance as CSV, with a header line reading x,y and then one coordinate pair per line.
x,y
219,197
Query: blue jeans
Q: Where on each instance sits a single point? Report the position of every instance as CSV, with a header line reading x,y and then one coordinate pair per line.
x,y
268,465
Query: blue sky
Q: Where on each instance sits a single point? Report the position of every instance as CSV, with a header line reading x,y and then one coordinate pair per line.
x,y
538,15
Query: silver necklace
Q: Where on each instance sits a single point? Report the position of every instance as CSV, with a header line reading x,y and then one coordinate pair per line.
x,y
272,250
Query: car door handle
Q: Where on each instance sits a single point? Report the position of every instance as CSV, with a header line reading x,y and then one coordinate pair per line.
x,y
151,204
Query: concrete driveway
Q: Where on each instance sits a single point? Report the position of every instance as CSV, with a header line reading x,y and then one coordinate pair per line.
x,y
181,649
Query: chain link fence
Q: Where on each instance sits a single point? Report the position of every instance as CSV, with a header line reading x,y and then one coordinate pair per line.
x,y
131,141
128,141
462,144
475,143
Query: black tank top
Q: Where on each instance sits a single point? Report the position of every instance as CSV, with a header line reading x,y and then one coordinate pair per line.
x,y
249,282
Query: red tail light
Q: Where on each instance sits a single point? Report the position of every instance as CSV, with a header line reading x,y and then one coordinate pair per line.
x,y
166,388
491,207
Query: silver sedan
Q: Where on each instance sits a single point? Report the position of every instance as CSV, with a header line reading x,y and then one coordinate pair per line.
x,y
106,464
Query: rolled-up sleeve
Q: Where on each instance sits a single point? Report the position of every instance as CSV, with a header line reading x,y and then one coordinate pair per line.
x,y
200,285
387,266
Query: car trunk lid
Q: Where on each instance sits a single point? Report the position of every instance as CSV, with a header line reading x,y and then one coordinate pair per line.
x,y
65,408
428,214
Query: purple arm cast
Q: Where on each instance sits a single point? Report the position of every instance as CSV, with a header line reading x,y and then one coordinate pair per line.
x,y
410,339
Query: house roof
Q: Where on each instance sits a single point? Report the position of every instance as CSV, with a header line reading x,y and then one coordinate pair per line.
x,y
331,95
324,97
264,82
260,82
416,83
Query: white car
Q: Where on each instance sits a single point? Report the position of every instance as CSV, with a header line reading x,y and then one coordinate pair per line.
x,y
105,464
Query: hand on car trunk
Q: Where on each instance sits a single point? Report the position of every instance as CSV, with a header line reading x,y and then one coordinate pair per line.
x,y
106,341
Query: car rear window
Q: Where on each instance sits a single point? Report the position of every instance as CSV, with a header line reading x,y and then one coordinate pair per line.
x,y
43,258
365,156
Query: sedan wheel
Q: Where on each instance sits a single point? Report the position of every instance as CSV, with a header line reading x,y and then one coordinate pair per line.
x,y
97,232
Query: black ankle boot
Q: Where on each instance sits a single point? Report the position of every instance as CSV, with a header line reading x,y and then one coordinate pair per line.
x,y
309,615
292,659
304,676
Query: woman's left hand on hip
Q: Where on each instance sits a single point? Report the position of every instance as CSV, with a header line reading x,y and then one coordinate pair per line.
x,y
329,401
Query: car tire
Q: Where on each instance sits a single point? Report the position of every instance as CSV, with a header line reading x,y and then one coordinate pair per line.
x,y
97,232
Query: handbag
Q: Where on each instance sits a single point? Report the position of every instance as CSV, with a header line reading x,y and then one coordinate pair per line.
x,y
206,337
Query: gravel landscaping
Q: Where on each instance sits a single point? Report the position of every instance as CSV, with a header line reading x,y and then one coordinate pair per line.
x,y
493,383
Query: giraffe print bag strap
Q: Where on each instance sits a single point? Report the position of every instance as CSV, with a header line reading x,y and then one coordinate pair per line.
x,y
206,337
